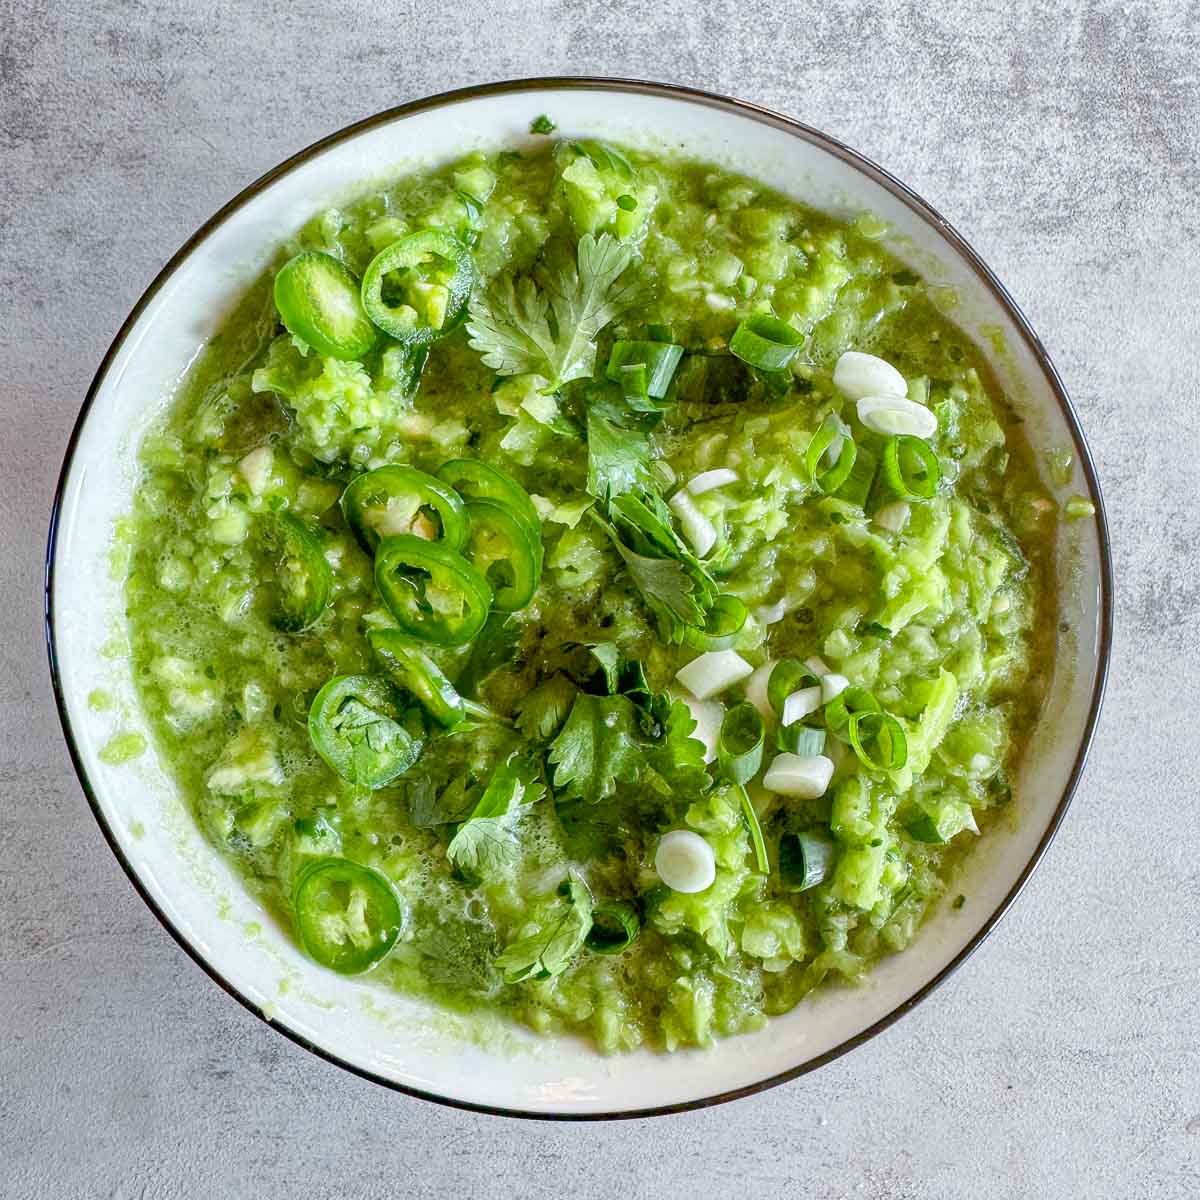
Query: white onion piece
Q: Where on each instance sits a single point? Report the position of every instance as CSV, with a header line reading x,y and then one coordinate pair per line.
x,y
859,375
697,528
685,861
713,672
893,517
708,715
756,690
799,704
832,686
709,481
256,469
769,614
803,776
398,515
893,415
817,666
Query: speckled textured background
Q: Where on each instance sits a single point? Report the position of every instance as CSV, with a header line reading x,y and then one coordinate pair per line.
x,y
1064,140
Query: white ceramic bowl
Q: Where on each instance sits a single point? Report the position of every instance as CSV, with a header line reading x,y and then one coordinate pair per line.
x,y
386,1037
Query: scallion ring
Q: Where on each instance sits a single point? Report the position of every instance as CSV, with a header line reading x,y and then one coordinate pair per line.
x,y
756,834
800,739
857,486
832,434
659,360
724,621
788,676
740,745
844,705
766,342
910,468
882,732
805,860
615,926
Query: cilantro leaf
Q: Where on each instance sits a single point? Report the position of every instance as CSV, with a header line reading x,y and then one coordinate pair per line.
x,y
668,747
678,757
550,949
594,830
457,953
428,807
487,841
618,459
675,584
609,658
634,734
542,712
374,737
546,324
669,589
596,748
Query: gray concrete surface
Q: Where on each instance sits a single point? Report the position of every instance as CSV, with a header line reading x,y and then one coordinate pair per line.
x,y
1063,138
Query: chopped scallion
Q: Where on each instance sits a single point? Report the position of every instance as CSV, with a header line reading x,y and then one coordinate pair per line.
x,y
849,701
878,740
801,740
756,834
658,358
766,342
832,437
805,860
858,483
740,746
910,468
788,676
615,926
724,621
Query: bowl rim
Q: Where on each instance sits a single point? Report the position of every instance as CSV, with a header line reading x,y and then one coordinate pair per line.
x,y
703,98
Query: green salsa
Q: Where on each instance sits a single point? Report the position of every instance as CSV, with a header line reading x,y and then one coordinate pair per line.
x,y
545,612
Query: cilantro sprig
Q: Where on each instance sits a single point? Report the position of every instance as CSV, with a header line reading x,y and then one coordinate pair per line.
x,y
547,323
486,843
556,940
627,736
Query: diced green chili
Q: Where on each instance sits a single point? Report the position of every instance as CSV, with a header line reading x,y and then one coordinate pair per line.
x,y
359,727
431,590
401,499
319,301
417,289
412,670
500,548
303,575
348,916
